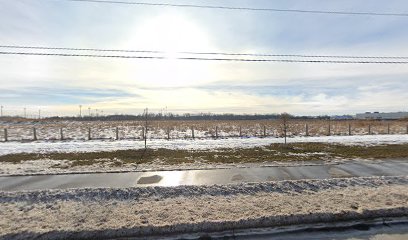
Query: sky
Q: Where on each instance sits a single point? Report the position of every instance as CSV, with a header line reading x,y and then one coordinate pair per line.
x,y
58,85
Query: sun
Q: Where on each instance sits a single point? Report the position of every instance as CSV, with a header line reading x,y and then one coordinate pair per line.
x,y
170,34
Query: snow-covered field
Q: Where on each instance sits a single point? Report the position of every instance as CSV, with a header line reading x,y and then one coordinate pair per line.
x,y
142,212
188,144
75,130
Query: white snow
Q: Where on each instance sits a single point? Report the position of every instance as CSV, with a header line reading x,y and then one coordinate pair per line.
x,y
78,130
47,166
199,144
161,192
148,212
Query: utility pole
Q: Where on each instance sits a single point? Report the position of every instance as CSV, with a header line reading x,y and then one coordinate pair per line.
x,y
89,111
145,132
1,112
39,113
80,111
25,113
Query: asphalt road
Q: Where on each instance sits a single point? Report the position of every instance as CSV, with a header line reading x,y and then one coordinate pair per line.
x,y
357,168
358,230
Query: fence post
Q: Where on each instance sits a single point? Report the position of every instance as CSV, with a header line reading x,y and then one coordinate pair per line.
x,y
168,133
307,130
145,138
349,129
329,133
61,134
143,133
407,129
240,131
216,131
89,134
192,132
117,133
34,134
369,129
264,132
388,129
6,137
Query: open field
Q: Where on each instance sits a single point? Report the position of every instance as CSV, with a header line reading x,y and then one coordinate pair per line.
x,y
167,129
105,155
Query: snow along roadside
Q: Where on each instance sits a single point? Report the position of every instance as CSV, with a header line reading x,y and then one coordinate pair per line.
x,y
59,167
199,144
110,213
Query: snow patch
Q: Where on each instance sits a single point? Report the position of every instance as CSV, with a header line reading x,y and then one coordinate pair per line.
x,y
201,144
125,194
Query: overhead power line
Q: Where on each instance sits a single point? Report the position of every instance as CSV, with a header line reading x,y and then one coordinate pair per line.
x,y
203,58
242,8
201,53
79,55
79,49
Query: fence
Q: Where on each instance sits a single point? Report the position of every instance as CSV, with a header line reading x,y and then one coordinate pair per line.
x,y
98,131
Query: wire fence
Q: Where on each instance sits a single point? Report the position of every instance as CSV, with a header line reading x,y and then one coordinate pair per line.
x,y
193,130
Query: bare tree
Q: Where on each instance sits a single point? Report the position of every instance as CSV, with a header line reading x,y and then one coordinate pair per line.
x,y
284,124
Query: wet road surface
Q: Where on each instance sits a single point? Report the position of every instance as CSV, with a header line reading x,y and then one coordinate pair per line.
x,y
361,230
356,168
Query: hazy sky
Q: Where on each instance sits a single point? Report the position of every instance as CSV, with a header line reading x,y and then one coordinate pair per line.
x,y
58,85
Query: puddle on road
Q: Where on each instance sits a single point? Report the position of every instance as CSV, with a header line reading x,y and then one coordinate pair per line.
x,y
237,177
150,180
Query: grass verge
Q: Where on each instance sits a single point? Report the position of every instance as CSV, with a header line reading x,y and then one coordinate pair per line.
x,y
273,152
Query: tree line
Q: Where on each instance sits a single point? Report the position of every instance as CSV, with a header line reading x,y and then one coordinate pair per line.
x,y
185,116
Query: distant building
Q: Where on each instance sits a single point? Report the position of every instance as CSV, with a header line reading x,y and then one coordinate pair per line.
x,y
385,116
342,117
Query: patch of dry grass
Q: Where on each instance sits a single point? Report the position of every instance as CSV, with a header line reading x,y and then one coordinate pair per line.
x,y
273,152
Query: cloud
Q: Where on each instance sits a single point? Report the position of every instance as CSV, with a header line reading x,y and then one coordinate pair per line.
x,y
128,86
56,96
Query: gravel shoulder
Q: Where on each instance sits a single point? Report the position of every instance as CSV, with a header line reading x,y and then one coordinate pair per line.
x,y
146,212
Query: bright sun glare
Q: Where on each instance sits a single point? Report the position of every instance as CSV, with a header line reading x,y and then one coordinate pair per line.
x,y
171,34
